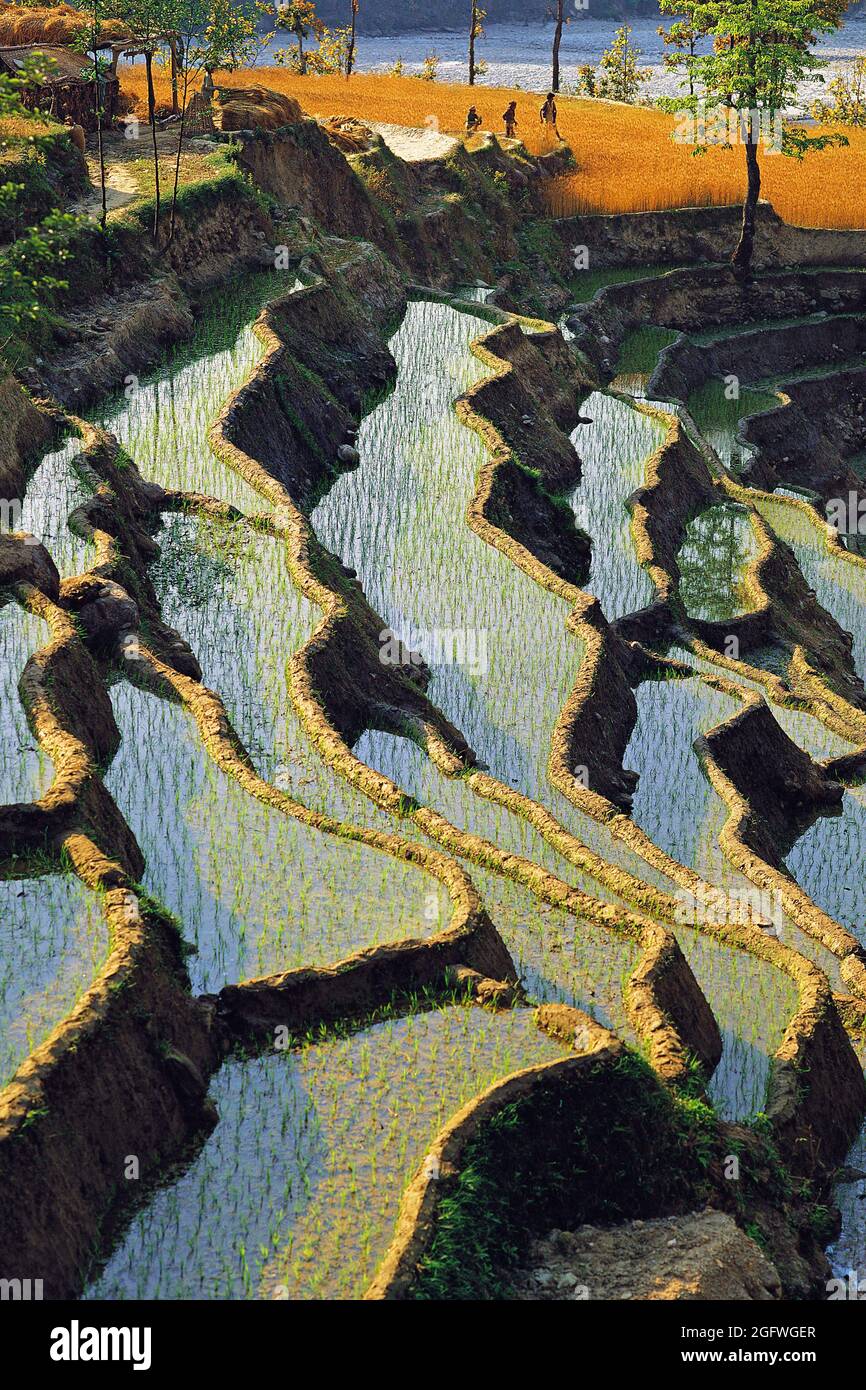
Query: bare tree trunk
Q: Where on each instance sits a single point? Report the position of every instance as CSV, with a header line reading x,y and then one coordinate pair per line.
x,y
179,153
102,183
350,56
742,258
151,112
472,21
175,109
557,40
302,61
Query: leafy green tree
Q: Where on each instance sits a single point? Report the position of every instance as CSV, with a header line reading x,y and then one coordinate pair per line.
x,y
620,78
299,17
682,38
762,50
87,43
847,94
210,34
29,272
150,22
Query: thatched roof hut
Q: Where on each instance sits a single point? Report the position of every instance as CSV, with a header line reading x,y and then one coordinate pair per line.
x,y
64,89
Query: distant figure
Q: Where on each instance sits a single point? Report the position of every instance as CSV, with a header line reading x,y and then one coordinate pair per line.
x,y
509,116
547,115
208,86
76,134
473,121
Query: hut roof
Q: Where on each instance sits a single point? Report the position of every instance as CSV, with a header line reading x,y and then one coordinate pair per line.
x,y
52,24
64,65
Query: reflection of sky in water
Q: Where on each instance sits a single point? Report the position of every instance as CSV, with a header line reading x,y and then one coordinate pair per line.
x,y
53,940
26,772
256,891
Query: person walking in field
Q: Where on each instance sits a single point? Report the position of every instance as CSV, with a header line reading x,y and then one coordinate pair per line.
x,y
509,116
547,115
473,121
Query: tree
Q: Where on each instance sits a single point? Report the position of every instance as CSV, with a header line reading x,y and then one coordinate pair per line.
x,y
350,56
209,34
332,55
477,17
683,38
560,21
620,77
86,42
150,22
299,18
761,52
587,82
28,268
848,97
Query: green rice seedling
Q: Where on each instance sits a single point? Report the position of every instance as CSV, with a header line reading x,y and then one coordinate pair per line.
x,y
256,891
718,416
585,286
719,546
26,772
53,941
334,1132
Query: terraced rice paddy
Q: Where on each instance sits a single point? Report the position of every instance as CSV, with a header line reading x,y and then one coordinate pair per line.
x,y
839,585
300,907
296,1191
26,772
53,941
163,422
827,861
613,450
717,413
398,520
718,549
53,493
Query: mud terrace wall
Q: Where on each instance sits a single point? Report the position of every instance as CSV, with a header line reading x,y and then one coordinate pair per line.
x,y
683,236
345,642
547,1099
594,729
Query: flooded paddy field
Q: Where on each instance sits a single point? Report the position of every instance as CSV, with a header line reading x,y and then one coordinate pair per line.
x,y
296,1190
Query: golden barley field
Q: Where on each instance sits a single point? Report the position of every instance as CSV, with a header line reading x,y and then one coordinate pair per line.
x,y
626,158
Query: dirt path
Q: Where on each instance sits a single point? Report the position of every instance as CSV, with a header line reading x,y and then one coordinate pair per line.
x,y
415,143
121,188
129,167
